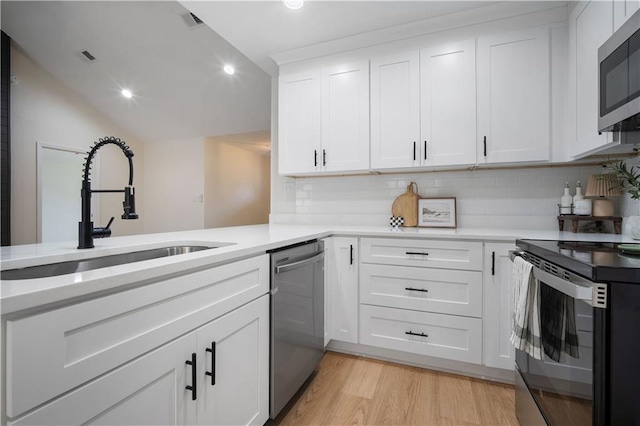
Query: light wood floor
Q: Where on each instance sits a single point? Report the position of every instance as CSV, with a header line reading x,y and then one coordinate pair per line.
x,y
349,390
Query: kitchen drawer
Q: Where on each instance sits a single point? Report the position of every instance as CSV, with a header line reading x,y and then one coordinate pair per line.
x,y
53,352
443,291
424,253
445,336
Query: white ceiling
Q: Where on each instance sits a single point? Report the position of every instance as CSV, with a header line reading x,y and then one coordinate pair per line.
x,y
176,72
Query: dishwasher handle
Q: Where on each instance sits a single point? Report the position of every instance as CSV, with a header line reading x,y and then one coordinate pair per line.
x,y
300,263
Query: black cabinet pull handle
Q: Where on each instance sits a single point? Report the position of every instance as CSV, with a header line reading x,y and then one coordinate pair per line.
x,y
194,387
324,157
484,141
315,158
416,334
409,253
493,263
424,290
425,150
351,254
212,373
414,151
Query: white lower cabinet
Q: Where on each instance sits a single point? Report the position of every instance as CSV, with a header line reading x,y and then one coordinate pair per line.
x,y
342,289
233,375
165,387
444,336
498,303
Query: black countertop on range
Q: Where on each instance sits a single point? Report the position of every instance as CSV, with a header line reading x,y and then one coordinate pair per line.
x,y
597,261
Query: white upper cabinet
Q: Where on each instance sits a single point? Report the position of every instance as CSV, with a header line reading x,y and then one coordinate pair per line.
x,y
395,111
345,117
514,97
622,10
590,25
299,119
448,105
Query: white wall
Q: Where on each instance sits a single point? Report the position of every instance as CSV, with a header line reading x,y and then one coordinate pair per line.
x,y
515,198
43,110
174,186
237,182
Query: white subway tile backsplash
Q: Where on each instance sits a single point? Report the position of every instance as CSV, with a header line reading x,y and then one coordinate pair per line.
x,y
504,198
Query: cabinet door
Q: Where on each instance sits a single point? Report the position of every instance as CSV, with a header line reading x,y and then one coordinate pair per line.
x,y
498,306
299,115
342,279
448,104
236,392
395,103
622,10
148,391
513,97
591,24
345,117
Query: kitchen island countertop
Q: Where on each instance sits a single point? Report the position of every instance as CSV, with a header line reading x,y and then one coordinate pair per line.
x,y
246,241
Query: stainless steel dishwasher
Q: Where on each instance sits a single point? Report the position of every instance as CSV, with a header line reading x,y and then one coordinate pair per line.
x,y
297,319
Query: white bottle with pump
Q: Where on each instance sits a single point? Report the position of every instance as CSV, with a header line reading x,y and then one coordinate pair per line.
x,y
566,201
581,205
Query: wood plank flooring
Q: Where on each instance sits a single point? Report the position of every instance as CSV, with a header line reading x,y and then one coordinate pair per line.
x,y
349,390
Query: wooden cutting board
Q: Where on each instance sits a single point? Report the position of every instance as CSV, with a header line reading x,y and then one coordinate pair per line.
x,y
406,206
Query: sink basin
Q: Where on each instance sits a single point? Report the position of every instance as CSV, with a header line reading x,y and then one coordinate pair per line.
x,y
63,268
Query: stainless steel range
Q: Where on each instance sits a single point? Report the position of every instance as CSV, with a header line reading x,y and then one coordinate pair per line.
x,y
599,385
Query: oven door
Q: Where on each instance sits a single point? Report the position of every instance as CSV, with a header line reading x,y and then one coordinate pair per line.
x,y
563,390
569,391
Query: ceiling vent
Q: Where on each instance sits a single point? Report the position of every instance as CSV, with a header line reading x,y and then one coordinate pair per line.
x,y
86,56
192,20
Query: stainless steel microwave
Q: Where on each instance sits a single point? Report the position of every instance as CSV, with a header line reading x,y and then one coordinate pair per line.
x,y
619,79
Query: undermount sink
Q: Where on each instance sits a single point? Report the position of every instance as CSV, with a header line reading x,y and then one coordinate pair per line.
x,y
70,267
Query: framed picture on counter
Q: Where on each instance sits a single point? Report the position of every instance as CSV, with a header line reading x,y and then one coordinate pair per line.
x,y
437,212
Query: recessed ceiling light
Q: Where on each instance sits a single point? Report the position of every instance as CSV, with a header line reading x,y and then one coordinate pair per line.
x,y
229,69
293,4
127,93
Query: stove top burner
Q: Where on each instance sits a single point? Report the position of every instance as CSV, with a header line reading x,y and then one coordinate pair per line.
x,y
593,260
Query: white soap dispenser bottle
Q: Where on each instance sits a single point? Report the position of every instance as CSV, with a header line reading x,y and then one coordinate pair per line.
x,y
566,201
578,195
581,205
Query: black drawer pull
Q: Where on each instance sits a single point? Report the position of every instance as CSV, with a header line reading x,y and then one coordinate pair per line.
x,y
416,334
417,253
193,388
414,151
324,157
425,150
351,254
315,158
417,289
212,373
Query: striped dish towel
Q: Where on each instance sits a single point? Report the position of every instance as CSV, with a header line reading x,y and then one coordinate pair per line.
x,y
525,331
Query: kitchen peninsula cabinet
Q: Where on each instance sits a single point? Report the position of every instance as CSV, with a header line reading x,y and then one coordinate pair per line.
x,y
115,356
342,285
324,120
498,303
514,97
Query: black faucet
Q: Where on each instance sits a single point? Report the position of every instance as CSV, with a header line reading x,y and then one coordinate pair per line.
x,y
86,231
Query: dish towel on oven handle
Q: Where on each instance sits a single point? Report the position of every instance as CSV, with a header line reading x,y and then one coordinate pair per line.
x,y
559,333
525,331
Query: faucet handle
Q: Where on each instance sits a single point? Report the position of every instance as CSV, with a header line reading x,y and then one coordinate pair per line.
x,y
109,223
103,232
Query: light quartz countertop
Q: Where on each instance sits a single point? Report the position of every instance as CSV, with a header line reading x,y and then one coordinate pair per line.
x,y
235,243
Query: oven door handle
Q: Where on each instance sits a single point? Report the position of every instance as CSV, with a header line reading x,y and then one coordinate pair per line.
x,y
593,293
